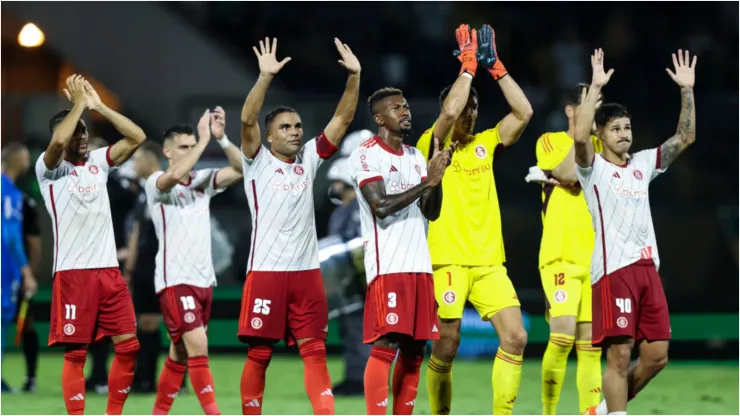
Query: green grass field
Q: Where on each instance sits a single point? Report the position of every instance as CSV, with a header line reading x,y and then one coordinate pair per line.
x,y
683,388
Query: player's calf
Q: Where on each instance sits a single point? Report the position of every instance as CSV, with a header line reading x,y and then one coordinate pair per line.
x,y
126,348
316,375
253,376
653,359
439,370
562,337
507,367
170,380
73,379
196,344
377,370
406,377
618,352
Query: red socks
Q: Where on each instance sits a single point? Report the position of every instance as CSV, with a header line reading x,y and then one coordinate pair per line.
x,y
202,381
73,380
169,385
406,383
253,379
316,376
121,374
376,380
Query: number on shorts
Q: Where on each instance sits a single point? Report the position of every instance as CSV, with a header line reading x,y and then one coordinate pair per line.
x,y
559,279
391,299
70,311
188,303
262,306
624,305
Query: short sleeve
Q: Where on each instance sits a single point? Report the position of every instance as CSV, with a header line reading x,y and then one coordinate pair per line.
x,y
43,173
208,179
365,167
424,143
491,140
102,157
153,194
252,163
585,174
649,160
551,150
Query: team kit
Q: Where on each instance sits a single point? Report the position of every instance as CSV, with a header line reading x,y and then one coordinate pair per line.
x,y
431,228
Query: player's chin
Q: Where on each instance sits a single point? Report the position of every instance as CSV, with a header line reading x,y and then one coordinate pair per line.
x,y
406,129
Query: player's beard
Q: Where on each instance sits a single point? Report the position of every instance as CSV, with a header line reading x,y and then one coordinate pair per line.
x,y
406,131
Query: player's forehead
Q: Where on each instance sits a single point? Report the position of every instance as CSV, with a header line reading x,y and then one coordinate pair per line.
x,y
286,118
618,122
184,139
395,101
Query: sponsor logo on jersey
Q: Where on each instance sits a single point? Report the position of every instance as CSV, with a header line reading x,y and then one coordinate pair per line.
x,y
480,151
393,169
456,167
449,297
76,188
396,186
391,318
560,296
622,322
286,186
621,190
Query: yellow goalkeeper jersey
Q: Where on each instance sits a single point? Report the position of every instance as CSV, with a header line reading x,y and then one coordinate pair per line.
x,y
468,231
567,230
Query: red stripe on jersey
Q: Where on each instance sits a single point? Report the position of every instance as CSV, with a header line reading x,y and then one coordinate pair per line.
x,y
368,180
657,159
324,147
369,143
377,249
56,226
164,244
423,178
546,143
107,157
214,179
605,295
256,217
603,232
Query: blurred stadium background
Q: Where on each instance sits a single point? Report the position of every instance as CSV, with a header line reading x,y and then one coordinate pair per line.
x,y
164,63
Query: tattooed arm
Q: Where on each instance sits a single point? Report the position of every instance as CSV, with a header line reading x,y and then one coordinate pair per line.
x,y
384,205
686,130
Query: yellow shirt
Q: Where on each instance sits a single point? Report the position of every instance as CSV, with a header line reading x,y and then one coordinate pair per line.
x,y
468,230
567,230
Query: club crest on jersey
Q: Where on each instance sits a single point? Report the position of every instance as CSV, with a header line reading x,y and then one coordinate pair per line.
x,y
480,151
418,169
256,323
298,170
69,329
622,322
189,317
637,174
561,296
93,169
449,297
391,318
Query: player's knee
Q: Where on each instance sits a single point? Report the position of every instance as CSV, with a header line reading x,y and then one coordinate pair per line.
x,y
514,341
196,342
446,348
618,357
565,325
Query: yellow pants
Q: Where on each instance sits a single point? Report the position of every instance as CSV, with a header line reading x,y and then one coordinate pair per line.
x,y
567,290
488,288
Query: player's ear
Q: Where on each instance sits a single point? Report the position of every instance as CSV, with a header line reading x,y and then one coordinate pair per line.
x,y
268,136
379,121
569,112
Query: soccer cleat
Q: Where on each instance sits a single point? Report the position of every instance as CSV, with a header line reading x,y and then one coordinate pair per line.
x,y
29,386
591,411
7,389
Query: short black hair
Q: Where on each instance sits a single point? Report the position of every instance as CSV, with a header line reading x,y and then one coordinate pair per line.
x,y
10,150
608,112
153,148
177,130
573,95
381,94
274,113
56,119
446,91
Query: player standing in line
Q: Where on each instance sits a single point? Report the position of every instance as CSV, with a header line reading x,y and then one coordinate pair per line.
x,y
283,295
565,261
89,299
629,303
16,270
465,243
179,199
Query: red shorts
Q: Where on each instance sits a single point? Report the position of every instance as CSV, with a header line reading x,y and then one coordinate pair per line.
x,y
401,303
185,308
284,305
630,302
89,304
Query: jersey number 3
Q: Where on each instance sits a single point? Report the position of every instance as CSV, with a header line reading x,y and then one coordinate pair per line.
x,y
262,306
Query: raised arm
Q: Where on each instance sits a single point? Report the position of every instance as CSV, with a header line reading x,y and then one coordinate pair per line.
x,y
133,135
686,130
513,124
565,171
457,99
269,67
584,148
174,173
229,175
63,132
345,112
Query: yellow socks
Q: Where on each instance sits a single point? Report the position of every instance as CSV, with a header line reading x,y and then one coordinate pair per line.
x,y
507,374
439,386
553,370
588,375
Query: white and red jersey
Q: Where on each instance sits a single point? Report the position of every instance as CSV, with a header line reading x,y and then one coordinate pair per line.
x,y
397,243
618,199
280,197
182,221
76,197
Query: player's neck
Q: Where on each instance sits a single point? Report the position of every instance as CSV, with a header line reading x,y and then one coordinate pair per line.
x,y
615,158
393,140
11,174
79,159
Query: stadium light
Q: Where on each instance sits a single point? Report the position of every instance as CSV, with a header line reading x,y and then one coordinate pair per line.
x,y
31,36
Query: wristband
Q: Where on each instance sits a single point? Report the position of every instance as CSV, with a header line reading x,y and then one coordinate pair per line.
x,y
224,142
468,75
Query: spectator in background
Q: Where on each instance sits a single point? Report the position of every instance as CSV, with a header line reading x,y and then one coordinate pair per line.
x,y
33,245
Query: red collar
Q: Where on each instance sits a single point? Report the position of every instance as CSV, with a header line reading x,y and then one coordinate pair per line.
x,y
383,145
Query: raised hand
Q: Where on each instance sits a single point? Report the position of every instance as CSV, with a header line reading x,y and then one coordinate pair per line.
x,y
349,60
438,163
467,41
93,99
204,126
684,74
599,77
218,123
75,90
487,54
268,62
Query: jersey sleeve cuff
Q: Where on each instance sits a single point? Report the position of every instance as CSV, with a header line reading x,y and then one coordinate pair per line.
x,y
369,180
657,158
324,147
108,158
215,175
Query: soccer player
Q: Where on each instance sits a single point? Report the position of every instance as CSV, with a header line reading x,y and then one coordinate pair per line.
x,y
629,303
179,199
16,271
90,299
283,296
565,261
465,243
29,334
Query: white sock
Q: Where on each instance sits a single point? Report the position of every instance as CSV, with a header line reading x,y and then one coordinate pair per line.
x,y
618,413
601,408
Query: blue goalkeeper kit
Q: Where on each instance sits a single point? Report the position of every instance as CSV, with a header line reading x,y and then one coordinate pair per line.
x,y
13,252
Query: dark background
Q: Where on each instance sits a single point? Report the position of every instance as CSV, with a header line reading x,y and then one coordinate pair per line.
x,y
163,63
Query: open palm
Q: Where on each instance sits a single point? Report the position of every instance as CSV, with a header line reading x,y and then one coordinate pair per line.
x,y
349,60
268,62
684,74
599,77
